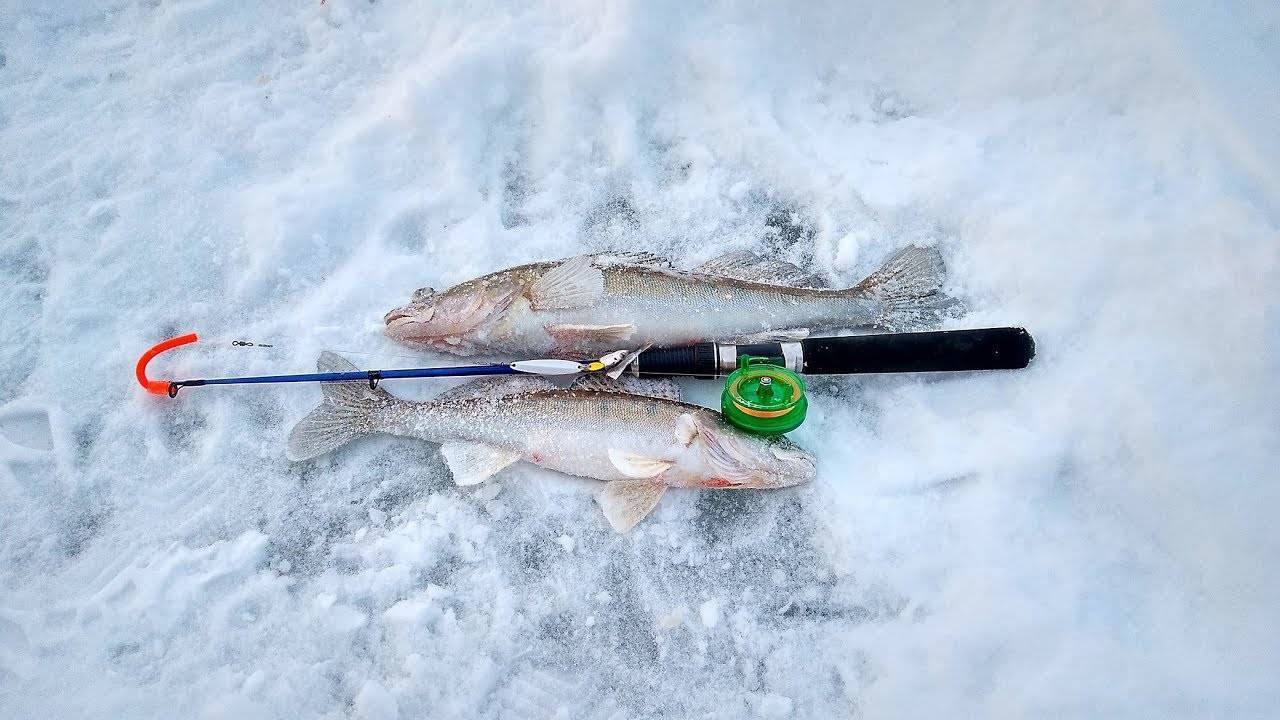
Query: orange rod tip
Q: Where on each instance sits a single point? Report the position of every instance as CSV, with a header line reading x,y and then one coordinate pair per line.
x,y
160,387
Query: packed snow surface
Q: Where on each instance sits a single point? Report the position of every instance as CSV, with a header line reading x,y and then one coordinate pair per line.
x,y
1092,537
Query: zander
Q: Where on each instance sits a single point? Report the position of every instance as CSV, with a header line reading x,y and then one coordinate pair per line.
x,y
591,304
640,444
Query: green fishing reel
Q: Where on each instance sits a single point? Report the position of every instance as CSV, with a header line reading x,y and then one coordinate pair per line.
x,y
763,398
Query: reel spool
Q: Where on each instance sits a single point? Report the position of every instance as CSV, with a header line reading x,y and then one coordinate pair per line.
x,y
762,398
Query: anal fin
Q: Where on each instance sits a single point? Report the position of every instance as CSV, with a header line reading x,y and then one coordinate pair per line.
x,y
627,502
473,463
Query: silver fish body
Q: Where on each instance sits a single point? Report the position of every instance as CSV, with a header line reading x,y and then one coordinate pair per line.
x,y
640,445
582,432
591,304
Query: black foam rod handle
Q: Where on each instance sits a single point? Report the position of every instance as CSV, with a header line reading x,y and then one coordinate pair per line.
x,y
1005,348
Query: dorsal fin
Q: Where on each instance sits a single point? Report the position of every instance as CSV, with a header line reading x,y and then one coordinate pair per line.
x,y
632,257
497,387
663,388
508,385
746,265
574,283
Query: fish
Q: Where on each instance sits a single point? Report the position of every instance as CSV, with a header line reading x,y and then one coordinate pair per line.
x,y
591,304
635,435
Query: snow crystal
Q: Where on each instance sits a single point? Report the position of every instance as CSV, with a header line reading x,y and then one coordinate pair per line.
x,y
1090,537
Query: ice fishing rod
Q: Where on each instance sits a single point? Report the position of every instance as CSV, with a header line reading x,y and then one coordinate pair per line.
x,y
1005,348
763,393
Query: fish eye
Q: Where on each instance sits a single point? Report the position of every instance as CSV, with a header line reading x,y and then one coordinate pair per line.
x,y
423,294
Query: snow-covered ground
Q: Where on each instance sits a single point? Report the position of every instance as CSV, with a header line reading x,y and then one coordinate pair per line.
x,y
1093,537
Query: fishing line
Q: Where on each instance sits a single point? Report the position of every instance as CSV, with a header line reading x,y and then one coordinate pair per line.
x,y
292,346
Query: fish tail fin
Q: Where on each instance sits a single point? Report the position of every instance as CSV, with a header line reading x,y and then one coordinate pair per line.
x,y
908,290
349,410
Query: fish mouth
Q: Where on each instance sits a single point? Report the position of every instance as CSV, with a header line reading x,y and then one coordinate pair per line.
x,y
408,314
413,326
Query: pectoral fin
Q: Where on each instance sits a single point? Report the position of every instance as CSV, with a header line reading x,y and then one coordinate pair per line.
x,y
473,463
686,429
627,502
638,466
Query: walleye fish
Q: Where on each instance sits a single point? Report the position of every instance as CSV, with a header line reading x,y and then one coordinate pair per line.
x,y
591,304
639,444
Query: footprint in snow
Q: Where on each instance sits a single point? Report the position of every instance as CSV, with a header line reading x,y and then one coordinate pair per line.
x,y
25,426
